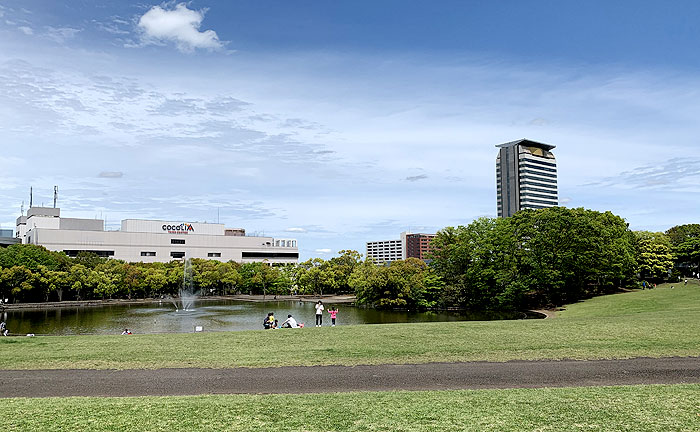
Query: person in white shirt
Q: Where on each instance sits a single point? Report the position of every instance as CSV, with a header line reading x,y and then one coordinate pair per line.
x,y
319,313
290,322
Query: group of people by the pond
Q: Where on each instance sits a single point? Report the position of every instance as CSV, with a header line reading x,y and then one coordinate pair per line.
x,y
270,322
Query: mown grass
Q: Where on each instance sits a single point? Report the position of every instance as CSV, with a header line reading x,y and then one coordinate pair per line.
x,y
665,300
609,409
657,323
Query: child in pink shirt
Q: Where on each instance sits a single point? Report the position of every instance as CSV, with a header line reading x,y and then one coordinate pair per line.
x,y
333,311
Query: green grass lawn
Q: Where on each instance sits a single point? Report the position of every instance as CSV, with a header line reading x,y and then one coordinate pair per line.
x,y
655,323
608,409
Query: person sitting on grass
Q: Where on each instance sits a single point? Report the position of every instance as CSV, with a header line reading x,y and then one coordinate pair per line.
x,y
290,322
269,321
126,332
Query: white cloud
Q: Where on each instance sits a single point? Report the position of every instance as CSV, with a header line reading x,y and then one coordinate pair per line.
x,y
323,251
296,230
26,30
179,25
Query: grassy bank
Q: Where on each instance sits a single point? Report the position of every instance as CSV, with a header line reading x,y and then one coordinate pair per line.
x,y
637,408
656,323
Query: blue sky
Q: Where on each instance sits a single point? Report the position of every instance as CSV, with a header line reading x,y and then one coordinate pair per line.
x,y
338,123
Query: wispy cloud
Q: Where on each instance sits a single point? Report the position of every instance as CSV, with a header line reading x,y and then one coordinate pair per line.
x,y
324,251
179,25
115,25
111,174
674,174
26,30
61,34
417,177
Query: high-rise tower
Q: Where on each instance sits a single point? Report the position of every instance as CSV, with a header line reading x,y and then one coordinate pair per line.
x,y
526,176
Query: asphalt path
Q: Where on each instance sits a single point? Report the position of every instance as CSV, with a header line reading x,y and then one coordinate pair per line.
x,y
322,379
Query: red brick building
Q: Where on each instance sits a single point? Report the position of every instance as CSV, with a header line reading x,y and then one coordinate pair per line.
x,y
418,245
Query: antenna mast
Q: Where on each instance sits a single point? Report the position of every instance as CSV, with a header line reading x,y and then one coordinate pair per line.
x,y
31,197
55,195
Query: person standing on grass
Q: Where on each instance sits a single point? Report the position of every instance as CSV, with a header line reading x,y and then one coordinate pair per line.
x,y
319,313
333,311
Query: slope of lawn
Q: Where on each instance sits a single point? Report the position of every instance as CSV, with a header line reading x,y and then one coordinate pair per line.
x,y
608,409
665,301
655,323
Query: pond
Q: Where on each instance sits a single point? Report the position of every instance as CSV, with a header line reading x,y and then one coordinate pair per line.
x,y
221,315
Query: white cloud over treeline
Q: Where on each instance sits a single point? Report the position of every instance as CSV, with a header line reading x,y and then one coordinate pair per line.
x,y
180,25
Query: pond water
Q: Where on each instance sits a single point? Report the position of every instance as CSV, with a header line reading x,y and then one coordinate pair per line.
x,y
222,315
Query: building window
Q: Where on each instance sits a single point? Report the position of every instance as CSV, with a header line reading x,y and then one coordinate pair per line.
x,y
148,253
263,255
177,254
177,241
101,253
214,254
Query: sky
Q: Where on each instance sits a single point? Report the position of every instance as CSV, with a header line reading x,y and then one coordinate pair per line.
x,y
337,123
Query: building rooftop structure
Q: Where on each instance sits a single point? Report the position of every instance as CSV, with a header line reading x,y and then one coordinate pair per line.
x,y
527,143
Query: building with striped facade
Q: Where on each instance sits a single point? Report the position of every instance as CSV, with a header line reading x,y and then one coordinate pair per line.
x,y
526,176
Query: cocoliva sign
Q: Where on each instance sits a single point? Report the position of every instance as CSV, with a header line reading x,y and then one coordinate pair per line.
x,y
183,228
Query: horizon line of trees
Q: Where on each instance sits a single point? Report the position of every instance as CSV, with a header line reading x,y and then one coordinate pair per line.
x,y
535,258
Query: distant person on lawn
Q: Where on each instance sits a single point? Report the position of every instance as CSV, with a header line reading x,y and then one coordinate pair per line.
x,y
319,313
269,321
333,311
290,322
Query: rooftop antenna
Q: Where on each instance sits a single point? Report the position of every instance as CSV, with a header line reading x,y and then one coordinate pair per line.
x,y
31,197
55,195
21,209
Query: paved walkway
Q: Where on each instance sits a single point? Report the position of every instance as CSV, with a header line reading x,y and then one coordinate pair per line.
x,y
315,379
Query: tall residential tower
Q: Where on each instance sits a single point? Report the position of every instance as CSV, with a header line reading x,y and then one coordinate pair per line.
x,y
526,176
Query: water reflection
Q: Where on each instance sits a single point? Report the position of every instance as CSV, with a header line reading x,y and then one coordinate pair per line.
x,y
225,315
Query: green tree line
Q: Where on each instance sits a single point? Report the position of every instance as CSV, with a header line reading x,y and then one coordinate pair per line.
x,y
535,258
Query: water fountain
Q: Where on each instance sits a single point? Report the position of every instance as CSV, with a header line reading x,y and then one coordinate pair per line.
x,y
187,293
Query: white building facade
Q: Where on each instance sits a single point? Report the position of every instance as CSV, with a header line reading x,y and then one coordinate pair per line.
x,y
151,240
385,251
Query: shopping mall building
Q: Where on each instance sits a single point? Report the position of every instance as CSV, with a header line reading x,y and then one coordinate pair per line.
x,y
150,240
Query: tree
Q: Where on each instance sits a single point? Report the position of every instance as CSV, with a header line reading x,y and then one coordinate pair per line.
x,y
258,277
32,256
338,270
78,279
14,281
133,277
685,246
402,284
653,255
312,276
156,279
534,258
